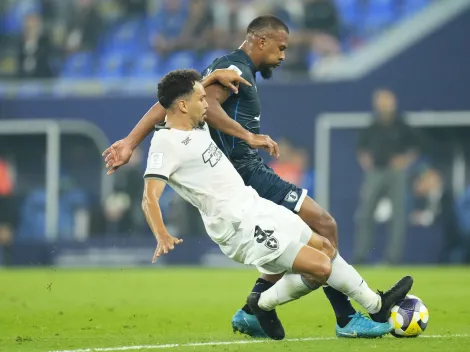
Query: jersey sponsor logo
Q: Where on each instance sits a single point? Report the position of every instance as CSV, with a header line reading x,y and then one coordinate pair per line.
x,y
267,238
257,118
292,197
155,160
186,141
212,155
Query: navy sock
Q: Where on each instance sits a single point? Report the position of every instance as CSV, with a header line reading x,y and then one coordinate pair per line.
x,y
341,305
261,285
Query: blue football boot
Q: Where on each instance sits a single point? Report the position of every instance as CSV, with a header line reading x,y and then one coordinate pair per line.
x,y
362,326
247,324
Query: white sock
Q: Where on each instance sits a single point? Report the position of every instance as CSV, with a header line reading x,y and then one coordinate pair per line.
x,y
346,279
289,288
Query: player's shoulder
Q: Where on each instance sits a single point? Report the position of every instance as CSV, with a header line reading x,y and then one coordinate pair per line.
x,y
233,61
162,139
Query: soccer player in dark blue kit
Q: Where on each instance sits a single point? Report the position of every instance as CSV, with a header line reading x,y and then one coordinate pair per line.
x,y
235,126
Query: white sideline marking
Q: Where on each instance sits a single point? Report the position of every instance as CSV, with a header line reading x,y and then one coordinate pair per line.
x,y
236,342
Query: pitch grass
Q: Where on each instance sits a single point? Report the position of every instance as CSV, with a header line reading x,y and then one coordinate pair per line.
x,y
58,309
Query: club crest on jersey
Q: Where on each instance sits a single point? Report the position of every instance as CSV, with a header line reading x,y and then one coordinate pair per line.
x,y
208,72
292,197
212,155
267,238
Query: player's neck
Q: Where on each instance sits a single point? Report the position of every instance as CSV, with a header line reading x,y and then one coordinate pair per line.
x,y
178,123
247,48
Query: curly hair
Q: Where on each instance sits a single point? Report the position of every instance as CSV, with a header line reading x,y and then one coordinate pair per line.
x,y
176,84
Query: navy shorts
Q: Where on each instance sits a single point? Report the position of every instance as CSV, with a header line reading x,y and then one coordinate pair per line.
x,y
270,186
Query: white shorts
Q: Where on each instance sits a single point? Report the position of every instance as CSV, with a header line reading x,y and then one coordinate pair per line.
x,y
270,237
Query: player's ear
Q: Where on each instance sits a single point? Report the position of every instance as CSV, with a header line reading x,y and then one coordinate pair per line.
x,y
262,42
183,106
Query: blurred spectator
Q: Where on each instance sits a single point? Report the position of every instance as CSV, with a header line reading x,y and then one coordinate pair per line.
x,y
85,27
169,25
435,203
197,33
385,150
463,216
204,26
321,23
7,209
133,7
231,17
123,209
291,164
35,50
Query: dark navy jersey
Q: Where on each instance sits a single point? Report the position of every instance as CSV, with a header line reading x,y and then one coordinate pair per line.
x,y
243,107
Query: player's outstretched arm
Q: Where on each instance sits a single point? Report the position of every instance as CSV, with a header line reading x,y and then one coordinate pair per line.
x,y
153,190
218,119
120,152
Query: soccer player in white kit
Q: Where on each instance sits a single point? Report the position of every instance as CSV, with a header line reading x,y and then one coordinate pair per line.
x,y
247,228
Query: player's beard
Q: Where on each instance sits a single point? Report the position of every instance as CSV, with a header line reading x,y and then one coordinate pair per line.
x,y
266,71
201,123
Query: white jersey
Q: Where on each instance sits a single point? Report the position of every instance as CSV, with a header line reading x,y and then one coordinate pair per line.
x,y
200,173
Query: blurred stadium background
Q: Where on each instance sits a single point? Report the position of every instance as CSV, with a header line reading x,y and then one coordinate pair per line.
x,y
77,75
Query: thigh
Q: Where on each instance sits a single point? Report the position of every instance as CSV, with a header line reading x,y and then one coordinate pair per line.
x,y
374,184
316,217
276,236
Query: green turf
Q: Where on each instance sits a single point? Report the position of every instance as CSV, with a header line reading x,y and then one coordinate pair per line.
x,y
57,309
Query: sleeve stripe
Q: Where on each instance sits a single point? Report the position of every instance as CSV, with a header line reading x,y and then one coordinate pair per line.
x,y
161,177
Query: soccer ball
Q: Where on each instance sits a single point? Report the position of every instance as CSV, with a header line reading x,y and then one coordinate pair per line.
x,y
409,318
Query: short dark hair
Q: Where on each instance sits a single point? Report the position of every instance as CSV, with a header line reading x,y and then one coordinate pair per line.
x,y
176,84
266,22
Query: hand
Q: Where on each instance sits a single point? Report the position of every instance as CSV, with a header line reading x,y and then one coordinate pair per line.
x,y
422,218
117,155
229,78
265,142
165,244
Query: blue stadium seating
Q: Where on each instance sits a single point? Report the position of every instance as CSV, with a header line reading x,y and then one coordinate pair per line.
x,y
126,37
111,65
131,38
412,6
15,14
33,214
79,65
145,66
349,12
179,59
380,13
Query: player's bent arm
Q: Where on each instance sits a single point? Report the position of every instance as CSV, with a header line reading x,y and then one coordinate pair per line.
x,y
218,118
156,114
153,190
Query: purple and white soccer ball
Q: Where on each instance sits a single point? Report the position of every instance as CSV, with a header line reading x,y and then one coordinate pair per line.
x,y
409,318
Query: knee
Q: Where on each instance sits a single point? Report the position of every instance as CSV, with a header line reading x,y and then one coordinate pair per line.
x,y
272,278
328,248
323,270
